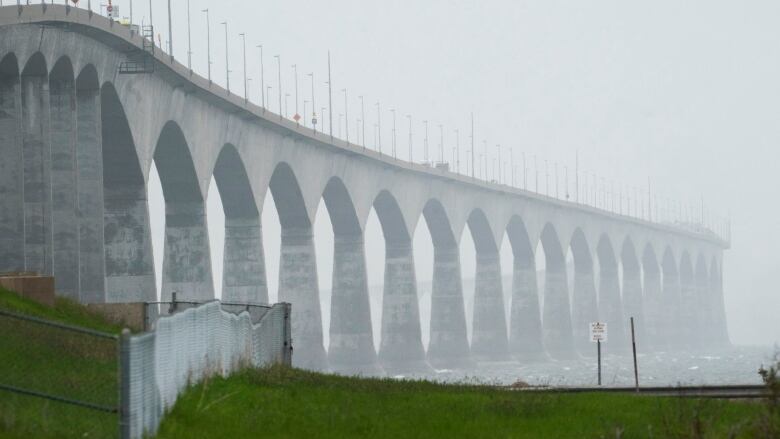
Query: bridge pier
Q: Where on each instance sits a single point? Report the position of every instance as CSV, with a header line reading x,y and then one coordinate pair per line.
x,y
12,233
449,345
670,313
244,277
351,350
489,335
37,165
187,257
611,310
298,286
89,157
65,241
556,320
653,306
687,317
401,349
632,299
525,332
584,308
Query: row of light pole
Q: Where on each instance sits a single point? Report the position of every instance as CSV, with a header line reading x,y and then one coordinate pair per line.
x,y
593,196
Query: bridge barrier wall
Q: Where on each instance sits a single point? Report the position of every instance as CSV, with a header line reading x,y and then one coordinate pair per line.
x,y
185,348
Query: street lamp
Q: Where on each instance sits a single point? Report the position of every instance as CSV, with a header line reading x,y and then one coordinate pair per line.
x,y
363,120
313,105
457,150
411,159
441,143
394,138
189,34
243,43
346,115
297,116
208,43
279,65
262,78
379,128
425,143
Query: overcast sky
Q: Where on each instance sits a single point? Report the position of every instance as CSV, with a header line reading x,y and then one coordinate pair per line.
x,y
683,93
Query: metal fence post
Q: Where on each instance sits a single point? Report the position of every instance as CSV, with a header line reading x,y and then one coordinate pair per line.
x,y
172,308
288,348
124,384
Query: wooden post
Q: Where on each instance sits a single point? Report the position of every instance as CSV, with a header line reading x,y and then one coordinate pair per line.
x,y
598,350
633,347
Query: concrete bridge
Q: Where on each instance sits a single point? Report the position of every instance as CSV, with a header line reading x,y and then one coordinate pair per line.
x,y
77,141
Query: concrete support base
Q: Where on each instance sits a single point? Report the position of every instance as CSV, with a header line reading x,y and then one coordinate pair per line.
x,y
298,286
401,349
556,321
525,333
187,257
351,350
244,277
584,310
449,345
489,334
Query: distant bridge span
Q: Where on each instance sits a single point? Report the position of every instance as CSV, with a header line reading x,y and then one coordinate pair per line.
x,y
77,141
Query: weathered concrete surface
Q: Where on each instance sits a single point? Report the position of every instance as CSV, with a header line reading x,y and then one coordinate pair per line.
x,y
632,301
556,320
187,256
611,311
449,345
584,308
351,349
653,305
244,277
298,285
489,334
670,313
401,349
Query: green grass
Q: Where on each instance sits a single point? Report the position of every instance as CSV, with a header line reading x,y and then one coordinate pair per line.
x,y
288,403
62,363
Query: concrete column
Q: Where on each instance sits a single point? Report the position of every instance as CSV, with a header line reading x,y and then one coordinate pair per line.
x,y
65,227
449,345
37,177
632,301
351,349
703,333
298,286
89,157
401,349
611,311
556,320
525,332
489,335
687,322
12,235
244,277
719,313
670,310
187,256
584,309
653,309
128,245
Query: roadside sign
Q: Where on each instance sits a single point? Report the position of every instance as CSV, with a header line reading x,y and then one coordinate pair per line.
x,y
297,117
598,332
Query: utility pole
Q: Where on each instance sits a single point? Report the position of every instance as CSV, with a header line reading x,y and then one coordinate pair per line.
x,y
227,59
208,43
243,42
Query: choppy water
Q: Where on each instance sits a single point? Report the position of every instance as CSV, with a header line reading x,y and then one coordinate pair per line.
x,y
738,365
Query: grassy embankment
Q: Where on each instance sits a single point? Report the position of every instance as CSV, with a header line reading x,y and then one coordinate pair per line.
x,y
285,403
49,360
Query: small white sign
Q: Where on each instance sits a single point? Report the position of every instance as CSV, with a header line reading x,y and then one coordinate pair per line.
x,y
598,332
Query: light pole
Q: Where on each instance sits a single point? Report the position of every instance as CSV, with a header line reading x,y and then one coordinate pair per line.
x,y
297,116
363,120
243,43
411,159
457,150
189,34
286,114
208,43
394,137
305,105
330,99
346,115
498,148
525,173
262,78
472,145
441,143
227,59
313,105
512,165
170,32
379,127
279,66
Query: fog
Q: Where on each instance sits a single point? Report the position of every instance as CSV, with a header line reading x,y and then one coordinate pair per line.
x,y
683,94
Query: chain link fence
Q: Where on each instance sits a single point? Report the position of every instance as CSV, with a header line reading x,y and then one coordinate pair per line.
x,y
139,377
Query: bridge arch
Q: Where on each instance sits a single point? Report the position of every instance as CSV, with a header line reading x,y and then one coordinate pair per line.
x,y
489,329
12,232
187,254
610,303
556,311
525,333
244,274
584,299
448,346
129,262
351,347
